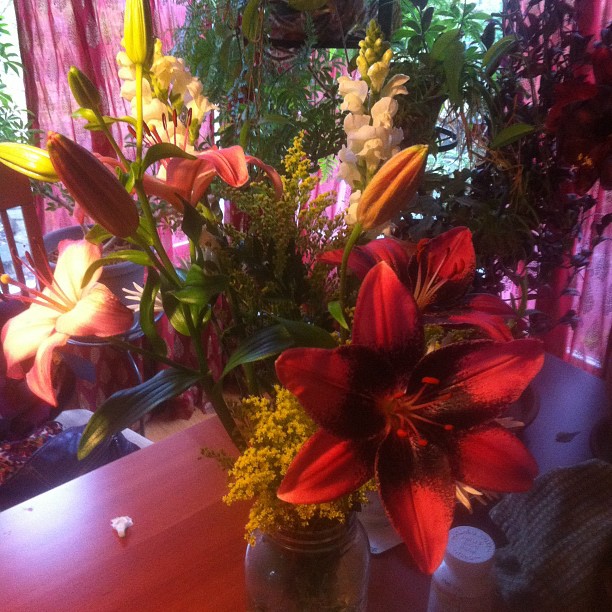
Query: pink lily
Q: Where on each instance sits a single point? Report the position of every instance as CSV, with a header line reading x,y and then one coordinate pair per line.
x,y
440,272
417,423
61,310
189,179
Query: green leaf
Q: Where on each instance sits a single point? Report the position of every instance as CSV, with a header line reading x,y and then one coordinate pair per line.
x,y
147,313
511,134
92,122
496,51
305,334
440,48
202,293
306,5
335,310
453,67
265,343
137,257
174,311
163,150
125,407
244,134
192,223
273,340
250,21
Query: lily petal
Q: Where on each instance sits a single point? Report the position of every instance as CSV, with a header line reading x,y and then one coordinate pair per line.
x,y
496,460
74,259
449,261
418,493
99,312
387,318
326,468
494,326
273,175
476,378
39,378
23,335
338,387
396,253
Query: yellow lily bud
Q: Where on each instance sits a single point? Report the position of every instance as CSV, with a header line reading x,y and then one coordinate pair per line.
x,y
83,90
138,36
392,187
28,160
94,187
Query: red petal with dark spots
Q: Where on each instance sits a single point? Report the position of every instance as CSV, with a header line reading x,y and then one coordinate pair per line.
x,y
396,253
418,493
477,378
387,318
338,388
327,468
496,460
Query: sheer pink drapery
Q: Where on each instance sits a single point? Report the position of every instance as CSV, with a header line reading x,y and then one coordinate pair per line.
x,y
57,34
586,345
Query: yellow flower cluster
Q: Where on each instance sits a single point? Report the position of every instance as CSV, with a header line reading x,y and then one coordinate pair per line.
x,y
278,428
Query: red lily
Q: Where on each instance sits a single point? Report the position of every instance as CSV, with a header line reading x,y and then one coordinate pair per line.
x,y
439,271
63,309
416,422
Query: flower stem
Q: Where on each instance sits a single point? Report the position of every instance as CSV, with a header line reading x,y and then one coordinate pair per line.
x,y
343,269
139,113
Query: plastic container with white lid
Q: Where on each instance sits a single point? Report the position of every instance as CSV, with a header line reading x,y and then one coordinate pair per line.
x,y
464,581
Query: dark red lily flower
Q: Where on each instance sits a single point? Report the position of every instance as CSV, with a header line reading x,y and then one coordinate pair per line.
x,y
581,119
439,271
416,422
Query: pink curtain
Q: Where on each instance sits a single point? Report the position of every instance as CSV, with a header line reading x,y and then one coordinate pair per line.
x,y
56,34
586,345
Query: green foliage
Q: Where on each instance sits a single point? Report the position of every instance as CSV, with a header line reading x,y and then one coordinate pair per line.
x,y
13,127
272,266
441,47
265,96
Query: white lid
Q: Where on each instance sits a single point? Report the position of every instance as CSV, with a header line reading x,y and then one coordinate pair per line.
x,y
469,551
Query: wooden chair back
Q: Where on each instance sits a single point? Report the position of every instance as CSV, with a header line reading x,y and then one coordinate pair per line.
x,y
15,192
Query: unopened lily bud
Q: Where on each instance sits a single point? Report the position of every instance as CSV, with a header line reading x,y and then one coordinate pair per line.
x,y
392,187
83,90
94,187
28,160
138,36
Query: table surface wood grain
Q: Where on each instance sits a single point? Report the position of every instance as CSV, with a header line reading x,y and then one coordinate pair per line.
x,y
186,549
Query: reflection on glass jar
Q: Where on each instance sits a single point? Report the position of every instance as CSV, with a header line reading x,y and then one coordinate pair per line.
x,y
309,570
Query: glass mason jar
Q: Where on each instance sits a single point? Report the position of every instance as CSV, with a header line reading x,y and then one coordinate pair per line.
x,y
309,570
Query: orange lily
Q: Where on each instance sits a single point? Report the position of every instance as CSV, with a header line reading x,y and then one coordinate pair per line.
x,y
63,309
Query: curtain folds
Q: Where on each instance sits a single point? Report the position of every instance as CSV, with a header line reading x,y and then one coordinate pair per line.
x,y
57,34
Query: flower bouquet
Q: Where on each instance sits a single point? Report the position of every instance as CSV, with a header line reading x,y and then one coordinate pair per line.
x,y
388,373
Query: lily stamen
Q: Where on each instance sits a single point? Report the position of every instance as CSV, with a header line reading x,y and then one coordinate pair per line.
x,y
41,299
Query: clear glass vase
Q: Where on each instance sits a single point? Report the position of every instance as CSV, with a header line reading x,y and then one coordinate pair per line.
x,y
309,570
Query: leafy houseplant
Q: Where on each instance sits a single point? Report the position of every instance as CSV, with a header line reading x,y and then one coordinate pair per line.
x,y
351,351
13,127
265,98
523,198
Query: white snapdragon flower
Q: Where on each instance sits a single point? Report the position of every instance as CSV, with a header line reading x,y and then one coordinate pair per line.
x,y
354,94
348,170
383,112
351,212
395,86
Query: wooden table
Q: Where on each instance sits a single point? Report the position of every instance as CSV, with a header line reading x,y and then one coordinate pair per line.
x,y
185,551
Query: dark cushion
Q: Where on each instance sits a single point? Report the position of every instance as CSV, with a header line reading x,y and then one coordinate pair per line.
x,y
56,463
